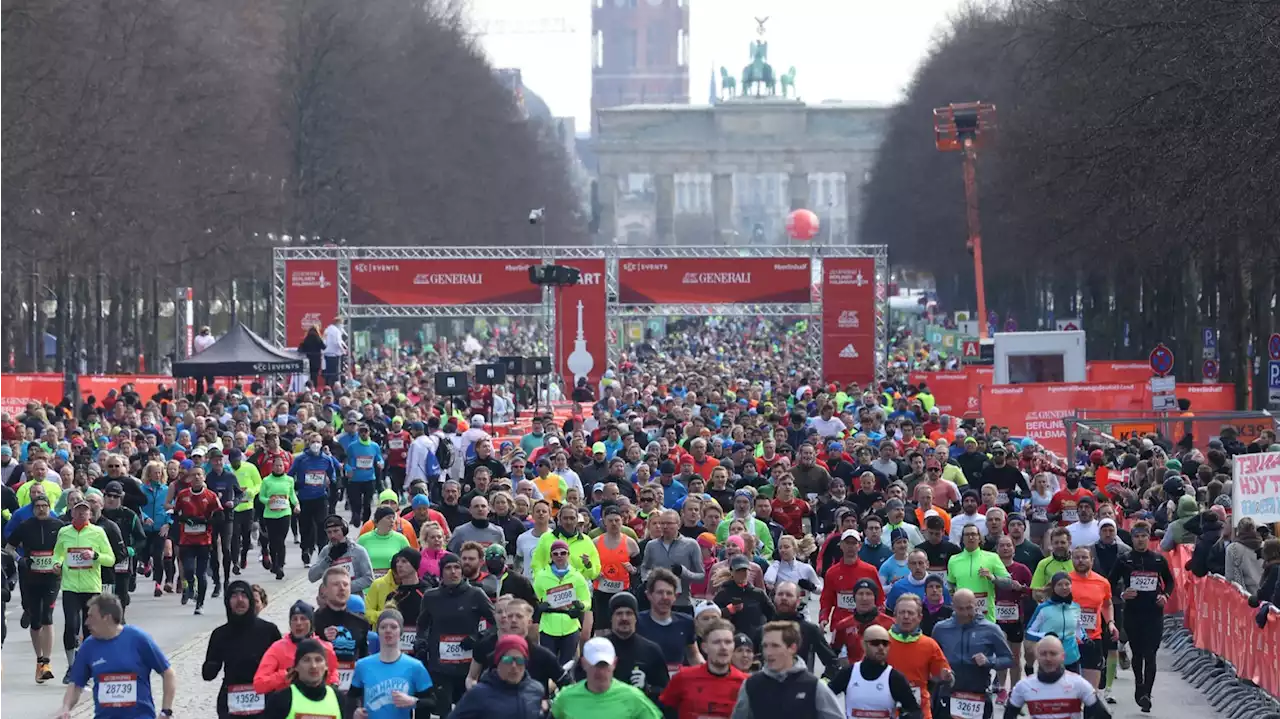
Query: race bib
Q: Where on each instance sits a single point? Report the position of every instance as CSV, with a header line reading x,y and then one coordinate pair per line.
x,y
242,699
1145,582
981,603
364,462
1007,612
451,651
673,668
965,705
395,444
346,670
315,478
561,596
610,586
277,503
1002,498
915,692
123,567
80,558
195,528
1088,621
380,573
117,690
1070,515
42,562
1039,514
408,636
869,714
845,600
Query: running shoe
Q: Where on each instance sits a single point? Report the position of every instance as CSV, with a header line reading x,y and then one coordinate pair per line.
x,y
235,569
279,574
199,609
186,593
158,591
25,621
168,587
217,590
1002,697
1145,703
44,672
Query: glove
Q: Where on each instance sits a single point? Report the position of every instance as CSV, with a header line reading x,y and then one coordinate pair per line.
x,y
735,607
637,678
545,608
807,585
574,611
468,642
677,569
1261,617
337,550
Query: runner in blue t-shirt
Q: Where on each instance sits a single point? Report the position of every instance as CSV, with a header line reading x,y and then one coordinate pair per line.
x,y
119,659
391,684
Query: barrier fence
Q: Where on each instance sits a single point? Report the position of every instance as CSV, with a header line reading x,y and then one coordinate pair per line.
x,y
1218,615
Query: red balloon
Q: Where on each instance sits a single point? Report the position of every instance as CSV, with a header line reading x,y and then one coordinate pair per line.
x,y
802,225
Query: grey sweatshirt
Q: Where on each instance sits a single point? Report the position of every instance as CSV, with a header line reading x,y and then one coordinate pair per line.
x,y
681,551
355,559
469,532
829,707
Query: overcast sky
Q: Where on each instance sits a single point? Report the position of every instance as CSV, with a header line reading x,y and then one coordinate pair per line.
x,y
842,49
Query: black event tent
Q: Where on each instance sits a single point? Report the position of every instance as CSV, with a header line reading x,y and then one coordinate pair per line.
x,y
240,353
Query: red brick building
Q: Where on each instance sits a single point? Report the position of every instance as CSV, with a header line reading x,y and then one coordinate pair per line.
x,y
640,53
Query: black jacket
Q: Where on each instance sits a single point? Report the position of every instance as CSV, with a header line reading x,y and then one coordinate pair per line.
x,y
812,641
755,608
635,653
493,697
351,632
237,647
453,612
1210,553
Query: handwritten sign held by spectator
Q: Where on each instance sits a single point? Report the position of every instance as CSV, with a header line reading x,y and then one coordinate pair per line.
x,y
1256,490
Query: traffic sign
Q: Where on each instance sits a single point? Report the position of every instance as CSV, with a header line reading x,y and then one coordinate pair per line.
x,y
1210,338
1161,360
1164,393
1273,382
1210,369
1273,346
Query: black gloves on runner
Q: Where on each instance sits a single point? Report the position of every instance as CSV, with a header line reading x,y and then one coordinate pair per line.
x,y
337,550
807,585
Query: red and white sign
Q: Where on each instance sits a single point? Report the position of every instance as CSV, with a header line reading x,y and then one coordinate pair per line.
x,y
442,282
581,323
16,390
956,393
310,297
848,319
1106,371
1036,410
716,280
970,348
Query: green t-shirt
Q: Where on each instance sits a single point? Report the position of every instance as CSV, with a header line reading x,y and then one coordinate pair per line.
x,y
962,573
382,547
1048,567
81,575
619,701
250,480
274,487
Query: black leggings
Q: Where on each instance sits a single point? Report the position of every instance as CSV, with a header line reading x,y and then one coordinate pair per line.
x,y
277,530
565,648
450,689
195,568
220,550
361,494
1144,642
241,536
162,567
75,610
311,521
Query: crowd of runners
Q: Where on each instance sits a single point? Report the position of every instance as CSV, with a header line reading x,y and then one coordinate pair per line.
x,y
710,532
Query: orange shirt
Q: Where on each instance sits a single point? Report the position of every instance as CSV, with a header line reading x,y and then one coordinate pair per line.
x,y
946,518
1092,592
612,565
703,468
918,661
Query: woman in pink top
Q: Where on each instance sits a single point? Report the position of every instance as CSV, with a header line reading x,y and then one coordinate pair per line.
x,y
432,539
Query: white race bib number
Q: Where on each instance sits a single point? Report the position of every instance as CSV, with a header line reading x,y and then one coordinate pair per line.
x,y
42,562
673,668
277,503
1007,612
610,586
451,651
981,604
242,699
123,567
1145,582
194,528
117,690
968,706
1070,515
845,600
1039,514
380,573
80,558
346,670
869,714
395,444
561,596
315,478
364,462
1088,621
1002,498
408,636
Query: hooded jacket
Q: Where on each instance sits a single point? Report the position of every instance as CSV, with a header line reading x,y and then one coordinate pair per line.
x,y
273,673
1178,533
450,614
1209,555
493,696
237,647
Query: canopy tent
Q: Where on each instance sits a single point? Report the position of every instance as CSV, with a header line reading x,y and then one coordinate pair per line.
x,y
240,353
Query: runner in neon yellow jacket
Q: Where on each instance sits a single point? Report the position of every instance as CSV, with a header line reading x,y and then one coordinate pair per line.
x,y
979,571
79,554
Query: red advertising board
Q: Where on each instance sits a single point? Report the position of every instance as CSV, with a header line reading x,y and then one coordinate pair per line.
x,y
1117,371
849,319
1036,410
956,393
16,390
310,297
581,327
442,282
1220,397
713,280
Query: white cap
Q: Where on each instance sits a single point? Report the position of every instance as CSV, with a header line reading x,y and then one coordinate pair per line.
x,y
850,533
477,419
705,606
599,651
1107,521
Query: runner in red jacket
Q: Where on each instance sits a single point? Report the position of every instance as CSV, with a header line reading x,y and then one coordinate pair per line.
x,y
847,632
194,512
396,455
838,590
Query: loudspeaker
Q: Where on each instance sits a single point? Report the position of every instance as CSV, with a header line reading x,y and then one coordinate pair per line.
x,y
491,373
451,384
537,365
514,365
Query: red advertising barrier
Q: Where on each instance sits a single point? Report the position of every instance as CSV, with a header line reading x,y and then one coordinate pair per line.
x,y
1036,410
719,280
956,393
310,297
1117,371
849,319
581,326
1221,621
145,385
16,390
1209,397
442,282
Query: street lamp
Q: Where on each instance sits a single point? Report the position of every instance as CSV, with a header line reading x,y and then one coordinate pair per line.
x,y
964,127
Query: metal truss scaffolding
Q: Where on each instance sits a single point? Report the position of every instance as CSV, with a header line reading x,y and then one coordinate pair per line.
x,y
616,312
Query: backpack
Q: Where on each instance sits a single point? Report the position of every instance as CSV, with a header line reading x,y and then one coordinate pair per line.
x,y
443,456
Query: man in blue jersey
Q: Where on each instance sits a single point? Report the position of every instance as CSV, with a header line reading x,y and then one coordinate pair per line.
x,y
391,684
119,659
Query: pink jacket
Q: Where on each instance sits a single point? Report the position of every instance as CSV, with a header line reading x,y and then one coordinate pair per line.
x,y
430,563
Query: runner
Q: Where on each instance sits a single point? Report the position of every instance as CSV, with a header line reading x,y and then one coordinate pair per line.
x,y
36,538
119,659
515,619
710,690
1059,560
390,684
450,616
1092,592
235,649
342,552
783,687
507,690
275,670
979,571
617,552
1058,615
846,633
79,553
157,522
1054,692
250,481
194,511
788,608
224,483
346,632
672,631
280,502
1013,606
838,589
307,691
315,474
600,694
364,462
1146,585
917,656
974,647
383,542
565,603
871,687
135,540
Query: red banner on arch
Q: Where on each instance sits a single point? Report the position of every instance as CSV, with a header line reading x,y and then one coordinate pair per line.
x,y
443,282
849,319
714,280
310,297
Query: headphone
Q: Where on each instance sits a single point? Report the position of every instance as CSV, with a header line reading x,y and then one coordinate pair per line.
x,y
334,519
